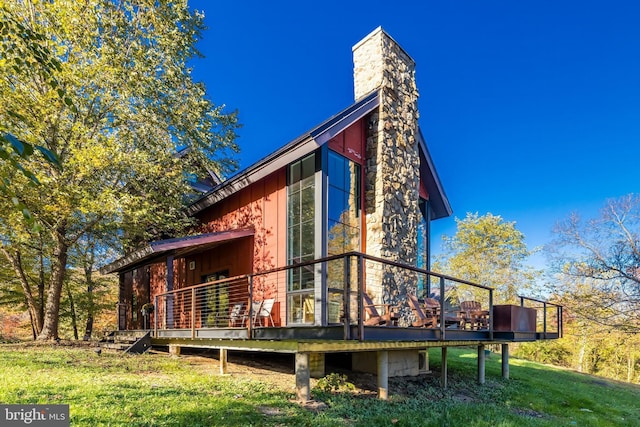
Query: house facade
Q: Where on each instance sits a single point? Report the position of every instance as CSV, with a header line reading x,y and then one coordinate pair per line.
x,y
361,181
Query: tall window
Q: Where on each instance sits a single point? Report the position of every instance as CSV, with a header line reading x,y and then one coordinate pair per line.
x,y
343,225
301,239
343,205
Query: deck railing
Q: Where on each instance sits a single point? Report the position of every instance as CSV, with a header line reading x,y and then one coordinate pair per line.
x,y
327,292
549,316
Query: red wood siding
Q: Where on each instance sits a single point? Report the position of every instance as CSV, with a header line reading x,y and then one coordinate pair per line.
x,y
263,206
351,142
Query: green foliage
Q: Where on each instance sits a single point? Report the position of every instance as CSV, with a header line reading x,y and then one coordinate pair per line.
x,y
334,382
491,252
108,389
106,86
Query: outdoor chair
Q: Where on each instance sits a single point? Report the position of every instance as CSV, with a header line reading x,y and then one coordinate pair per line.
x,y
426,319
388,318
264,312
472,315
238,315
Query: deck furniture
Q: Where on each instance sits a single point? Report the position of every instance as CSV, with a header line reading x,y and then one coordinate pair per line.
x,y
388,318
264,313
427,318
238,315
472,315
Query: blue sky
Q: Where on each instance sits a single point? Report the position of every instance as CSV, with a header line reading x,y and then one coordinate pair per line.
x,y
531,109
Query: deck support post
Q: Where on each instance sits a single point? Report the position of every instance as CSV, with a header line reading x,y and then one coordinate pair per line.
x,y
481,364
505,361
303,387
443,368
174,350
383,375
223,361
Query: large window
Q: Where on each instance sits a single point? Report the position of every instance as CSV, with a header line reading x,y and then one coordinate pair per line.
x,y
343,225
301,239
343,205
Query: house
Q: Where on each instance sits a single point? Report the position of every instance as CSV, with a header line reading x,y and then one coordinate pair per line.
x,y
285,250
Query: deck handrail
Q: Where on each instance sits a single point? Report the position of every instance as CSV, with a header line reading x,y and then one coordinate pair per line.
x,y
353,286
559,309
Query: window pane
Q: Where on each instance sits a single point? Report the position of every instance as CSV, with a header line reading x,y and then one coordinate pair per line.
x,y
353,204
335,238
294,305
294,173
294,208
307,201
307,281
352,239
335,308
336,170
308,166
307,240
336,203
308,308
294,242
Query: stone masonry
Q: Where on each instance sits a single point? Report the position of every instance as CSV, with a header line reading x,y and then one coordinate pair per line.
x,y
392,169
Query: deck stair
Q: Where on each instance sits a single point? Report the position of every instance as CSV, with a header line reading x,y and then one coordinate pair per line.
x,y
127,341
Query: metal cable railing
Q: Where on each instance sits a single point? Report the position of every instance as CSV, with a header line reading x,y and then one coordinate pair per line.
x,y
330,292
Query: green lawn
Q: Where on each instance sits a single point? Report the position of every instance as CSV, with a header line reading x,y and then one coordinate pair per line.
x,y
157,390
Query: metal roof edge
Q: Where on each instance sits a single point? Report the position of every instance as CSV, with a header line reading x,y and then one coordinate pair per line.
x,y
297,148
446,205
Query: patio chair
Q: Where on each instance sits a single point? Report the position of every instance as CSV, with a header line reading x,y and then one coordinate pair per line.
x,y
264,313
238,315
388,318
472,315
428,319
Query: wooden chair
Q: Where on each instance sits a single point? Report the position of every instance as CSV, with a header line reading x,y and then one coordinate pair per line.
x,y
388,318
432,307
428,319
472,315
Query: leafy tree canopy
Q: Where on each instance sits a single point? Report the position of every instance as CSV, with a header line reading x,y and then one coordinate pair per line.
x,y
105,85
489,251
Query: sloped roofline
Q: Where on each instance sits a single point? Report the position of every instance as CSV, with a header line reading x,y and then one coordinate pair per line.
x,y
308,143
440,206
291,152
181,244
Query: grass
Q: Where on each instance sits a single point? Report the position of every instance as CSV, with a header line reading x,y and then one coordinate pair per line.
x,y
157,390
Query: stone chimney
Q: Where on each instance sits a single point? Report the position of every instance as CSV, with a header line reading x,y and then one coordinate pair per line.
x,y
393,161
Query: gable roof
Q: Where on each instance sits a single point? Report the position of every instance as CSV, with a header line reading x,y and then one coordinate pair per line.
x,y
309,142
440,206
291,152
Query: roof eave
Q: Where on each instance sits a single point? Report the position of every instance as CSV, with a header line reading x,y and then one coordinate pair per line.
x,y
291,152
441,208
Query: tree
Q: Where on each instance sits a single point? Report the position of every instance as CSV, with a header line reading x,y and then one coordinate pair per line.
x,y
18,42
598,264
123,103
488,251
